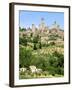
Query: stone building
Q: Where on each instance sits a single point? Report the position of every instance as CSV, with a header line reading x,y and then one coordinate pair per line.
x,y
54,28
42,25
33,28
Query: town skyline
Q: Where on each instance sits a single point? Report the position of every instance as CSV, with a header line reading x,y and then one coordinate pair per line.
x,y
27,18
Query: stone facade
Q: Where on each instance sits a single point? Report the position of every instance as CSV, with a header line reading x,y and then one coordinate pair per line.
x,y
43,30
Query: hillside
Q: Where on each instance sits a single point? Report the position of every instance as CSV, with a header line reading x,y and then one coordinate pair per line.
x,y
41,52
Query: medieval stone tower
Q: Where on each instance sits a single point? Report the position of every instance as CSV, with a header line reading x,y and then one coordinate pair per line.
x,y
33,28
42,25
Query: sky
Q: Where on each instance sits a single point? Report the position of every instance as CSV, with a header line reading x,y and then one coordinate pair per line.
x,y
27,18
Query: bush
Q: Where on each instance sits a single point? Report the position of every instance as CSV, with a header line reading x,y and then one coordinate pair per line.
x,y
56,63
35,47
25,56
40,46
44,45
52,43
23,41
52,63
35,39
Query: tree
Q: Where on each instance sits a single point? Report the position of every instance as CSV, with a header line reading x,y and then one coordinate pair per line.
x,y
31,34
40,46
35,39
25,56
22,29
35,48
23,40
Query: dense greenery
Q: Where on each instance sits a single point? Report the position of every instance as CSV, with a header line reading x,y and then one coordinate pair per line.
x,y
45,56
53,63
54,37
22,29
25,57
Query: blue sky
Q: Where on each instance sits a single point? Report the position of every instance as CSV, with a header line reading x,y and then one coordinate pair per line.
x,y
27,18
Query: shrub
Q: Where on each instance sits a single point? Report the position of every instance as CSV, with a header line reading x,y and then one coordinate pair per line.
x,y
35,47
40,46
23,41
52,43
35,39
25,56
56,63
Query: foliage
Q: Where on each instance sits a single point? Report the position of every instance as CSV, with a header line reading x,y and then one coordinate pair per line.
x,y
31,34
31,52
35,47
23,41
40,45
56,63
22,29
25,57
52,43
54,37
35,39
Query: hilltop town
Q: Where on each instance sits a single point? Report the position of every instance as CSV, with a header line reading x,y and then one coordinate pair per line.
x,y
41,51
47,34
